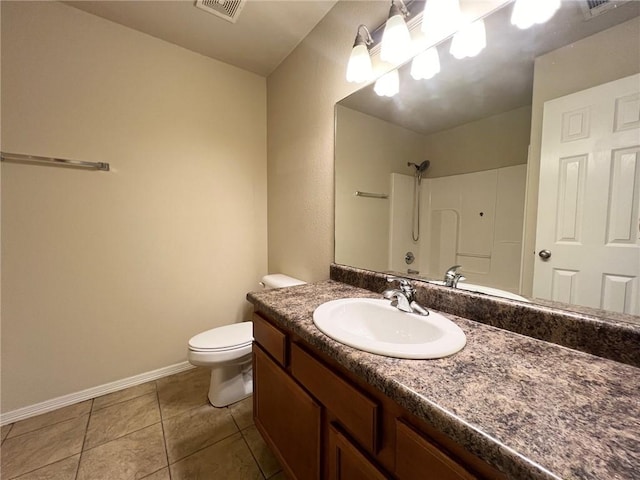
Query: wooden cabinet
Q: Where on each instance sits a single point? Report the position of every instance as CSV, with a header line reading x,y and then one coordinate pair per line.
x,y
324,423
287,417
355,411
271,339
347,462
419,459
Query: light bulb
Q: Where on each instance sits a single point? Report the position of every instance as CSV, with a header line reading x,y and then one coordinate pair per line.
x,y
396,40
529,12
440,19
359,68
388,84
469,41
425,65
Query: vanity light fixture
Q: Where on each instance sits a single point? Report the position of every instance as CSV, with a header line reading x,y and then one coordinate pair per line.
x,y
529,12
441,18
396,40
359,68
425,65
388,84
470,40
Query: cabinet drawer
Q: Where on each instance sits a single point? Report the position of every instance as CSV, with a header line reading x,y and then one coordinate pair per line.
x,y
357,413
419,459
270,338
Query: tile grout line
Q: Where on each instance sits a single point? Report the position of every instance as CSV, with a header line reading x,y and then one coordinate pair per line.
x,y
43,466
208,446
8,433
121,436
61,459
164,435
162,419
45,426
233,418
84,440
255,459
121,401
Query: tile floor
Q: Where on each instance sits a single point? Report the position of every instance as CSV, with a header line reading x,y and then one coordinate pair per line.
x,y
161,430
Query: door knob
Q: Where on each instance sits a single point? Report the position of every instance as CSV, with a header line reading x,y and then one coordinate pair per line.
x,y
544,254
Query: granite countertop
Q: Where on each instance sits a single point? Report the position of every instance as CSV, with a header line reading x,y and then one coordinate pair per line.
x,y
532,409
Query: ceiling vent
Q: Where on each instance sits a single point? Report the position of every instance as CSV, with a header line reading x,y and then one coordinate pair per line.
x,y
226,9
593,8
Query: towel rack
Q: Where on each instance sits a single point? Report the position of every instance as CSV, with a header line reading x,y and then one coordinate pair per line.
x,y
18,157
371,195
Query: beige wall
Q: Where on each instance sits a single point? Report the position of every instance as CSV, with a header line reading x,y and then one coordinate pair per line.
x,y
600,58
107,275
493,142
301,95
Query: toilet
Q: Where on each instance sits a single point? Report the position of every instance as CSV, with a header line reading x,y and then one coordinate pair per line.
x,y
226,351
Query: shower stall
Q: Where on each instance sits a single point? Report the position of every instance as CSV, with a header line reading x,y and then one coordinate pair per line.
x,y
474,220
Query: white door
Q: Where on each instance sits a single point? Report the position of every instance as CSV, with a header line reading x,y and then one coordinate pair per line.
x,y
589,199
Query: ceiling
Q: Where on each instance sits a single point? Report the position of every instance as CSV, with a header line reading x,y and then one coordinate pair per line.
x,y
265,32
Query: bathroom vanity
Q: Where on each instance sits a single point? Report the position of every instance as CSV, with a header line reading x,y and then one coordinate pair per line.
x,y
318,417
507,406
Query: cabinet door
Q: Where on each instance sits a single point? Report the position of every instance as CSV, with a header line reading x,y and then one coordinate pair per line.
x,y
346,462
419,459
357,413
287,418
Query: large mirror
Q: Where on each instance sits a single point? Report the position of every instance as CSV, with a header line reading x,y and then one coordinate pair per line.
x,y
455,170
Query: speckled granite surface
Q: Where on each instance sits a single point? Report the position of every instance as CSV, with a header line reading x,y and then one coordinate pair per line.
x,y
534,410
613,338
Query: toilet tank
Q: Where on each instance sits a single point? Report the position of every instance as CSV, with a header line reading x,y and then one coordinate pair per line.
x,y
279,280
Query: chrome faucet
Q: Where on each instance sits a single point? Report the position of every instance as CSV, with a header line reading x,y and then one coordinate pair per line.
x,y
452,277
404,297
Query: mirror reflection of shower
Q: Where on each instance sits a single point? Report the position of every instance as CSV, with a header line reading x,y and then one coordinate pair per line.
x,y
415,219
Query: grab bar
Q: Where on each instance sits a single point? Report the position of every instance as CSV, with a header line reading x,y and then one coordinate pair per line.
x,y
18,157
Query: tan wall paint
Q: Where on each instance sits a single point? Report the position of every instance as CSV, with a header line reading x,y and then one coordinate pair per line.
x,y
107,275
301,94
480,145
600,58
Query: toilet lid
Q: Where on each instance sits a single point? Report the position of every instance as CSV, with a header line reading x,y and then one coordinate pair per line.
x,y
223,338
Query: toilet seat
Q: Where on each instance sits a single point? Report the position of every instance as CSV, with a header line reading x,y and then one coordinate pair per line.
x,y
220,339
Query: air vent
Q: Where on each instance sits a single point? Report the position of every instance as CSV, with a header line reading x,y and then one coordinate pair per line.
x,y
593,8
226,9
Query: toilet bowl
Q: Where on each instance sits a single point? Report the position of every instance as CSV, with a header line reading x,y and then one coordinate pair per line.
x,y
226,351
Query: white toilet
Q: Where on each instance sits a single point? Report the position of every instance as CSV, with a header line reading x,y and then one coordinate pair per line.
x,y
227,351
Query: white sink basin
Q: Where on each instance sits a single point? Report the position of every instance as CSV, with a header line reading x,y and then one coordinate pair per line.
x,y
375,326
496,292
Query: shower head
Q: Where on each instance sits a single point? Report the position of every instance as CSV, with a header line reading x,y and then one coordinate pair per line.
x,y
420,169
423,166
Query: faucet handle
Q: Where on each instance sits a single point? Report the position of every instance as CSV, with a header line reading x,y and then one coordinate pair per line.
x,y
405,285
402,281
453,270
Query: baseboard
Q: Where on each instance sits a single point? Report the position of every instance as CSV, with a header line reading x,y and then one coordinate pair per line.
x,y
70,399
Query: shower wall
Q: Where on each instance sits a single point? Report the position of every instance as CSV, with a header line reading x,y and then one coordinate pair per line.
x,y
473,220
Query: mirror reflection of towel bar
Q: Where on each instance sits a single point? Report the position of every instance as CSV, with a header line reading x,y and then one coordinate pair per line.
x,y
371,195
